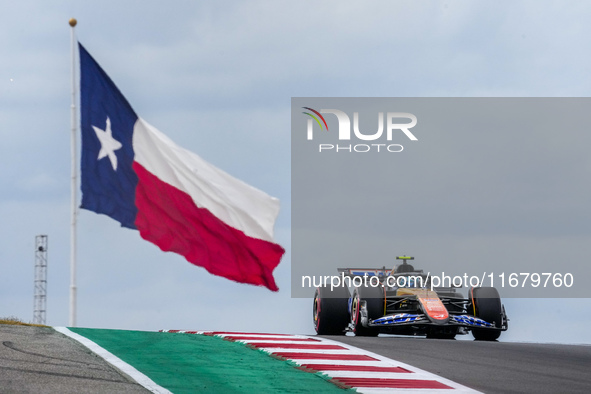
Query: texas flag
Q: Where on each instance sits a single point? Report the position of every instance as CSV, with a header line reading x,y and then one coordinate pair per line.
x,y
176,200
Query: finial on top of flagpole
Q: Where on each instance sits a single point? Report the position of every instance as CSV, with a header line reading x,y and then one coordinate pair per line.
x,y
73,22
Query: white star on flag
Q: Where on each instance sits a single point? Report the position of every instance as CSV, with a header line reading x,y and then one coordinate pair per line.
x,y
108,144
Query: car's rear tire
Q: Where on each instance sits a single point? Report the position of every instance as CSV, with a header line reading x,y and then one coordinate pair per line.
x,y
330,310
373,297
486,305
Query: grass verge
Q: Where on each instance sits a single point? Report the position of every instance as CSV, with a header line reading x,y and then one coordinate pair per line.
x,y
15,321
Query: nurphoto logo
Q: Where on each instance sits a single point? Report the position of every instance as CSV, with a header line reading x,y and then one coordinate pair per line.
x,y
393,126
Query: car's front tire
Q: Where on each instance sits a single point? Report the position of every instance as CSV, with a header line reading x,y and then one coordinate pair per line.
x,y
373,298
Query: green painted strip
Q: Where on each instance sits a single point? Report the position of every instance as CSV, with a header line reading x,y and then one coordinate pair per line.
x,y
188,363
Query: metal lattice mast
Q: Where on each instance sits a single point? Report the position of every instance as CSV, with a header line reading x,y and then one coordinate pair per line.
x,y
40,300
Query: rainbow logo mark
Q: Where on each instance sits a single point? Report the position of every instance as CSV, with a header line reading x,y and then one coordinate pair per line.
x,y
315,118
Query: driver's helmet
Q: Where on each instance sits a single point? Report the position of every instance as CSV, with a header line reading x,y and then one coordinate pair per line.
x,y
410,282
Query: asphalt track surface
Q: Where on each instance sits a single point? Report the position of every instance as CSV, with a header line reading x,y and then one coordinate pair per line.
x,y
41,360
490,367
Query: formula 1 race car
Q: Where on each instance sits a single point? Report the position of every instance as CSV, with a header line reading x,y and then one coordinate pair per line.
x,y
401,301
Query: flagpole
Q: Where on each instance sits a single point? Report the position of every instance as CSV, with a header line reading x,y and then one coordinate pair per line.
x,y
73,289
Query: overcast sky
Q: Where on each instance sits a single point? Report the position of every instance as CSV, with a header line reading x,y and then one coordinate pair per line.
x,y
218,77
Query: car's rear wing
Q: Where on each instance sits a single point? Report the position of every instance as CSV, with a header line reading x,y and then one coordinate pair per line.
x,y
379,272
384,272
351,272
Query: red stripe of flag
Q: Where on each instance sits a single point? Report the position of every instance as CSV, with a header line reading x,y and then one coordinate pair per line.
x,y
170,219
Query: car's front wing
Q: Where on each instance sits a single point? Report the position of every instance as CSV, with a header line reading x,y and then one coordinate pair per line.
x,y
405,319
